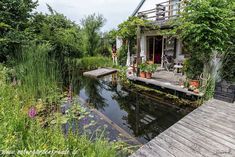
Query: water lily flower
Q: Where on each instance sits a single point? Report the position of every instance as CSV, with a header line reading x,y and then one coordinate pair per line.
x,y
32,112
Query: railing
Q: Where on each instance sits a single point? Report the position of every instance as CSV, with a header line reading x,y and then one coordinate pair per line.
x,y
163,11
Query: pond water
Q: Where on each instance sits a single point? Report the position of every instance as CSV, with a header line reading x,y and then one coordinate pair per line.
x,y
142,115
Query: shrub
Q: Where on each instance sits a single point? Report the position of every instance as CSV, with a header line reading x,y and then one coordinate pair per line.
x,y
88,63
122,55
193,68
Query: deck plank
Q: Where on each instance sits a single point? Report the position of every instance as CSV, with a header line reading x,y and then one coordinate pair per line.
x,y
207,131
99,72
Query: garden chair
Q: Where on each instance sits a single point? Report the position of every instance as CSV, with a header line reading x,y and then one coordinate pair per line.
x,y
168,65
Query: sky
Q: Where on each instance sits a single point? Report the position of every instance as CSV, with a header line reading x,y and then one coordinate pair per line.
x,y
114,11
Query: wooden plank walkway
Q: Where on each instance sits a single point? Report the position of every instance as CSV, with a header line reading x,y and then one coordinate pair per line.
x,y
99,72
208,131
162,84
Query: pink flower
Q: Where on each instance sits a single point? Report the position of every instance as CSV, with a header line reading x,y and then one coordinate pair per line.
x,y
32,112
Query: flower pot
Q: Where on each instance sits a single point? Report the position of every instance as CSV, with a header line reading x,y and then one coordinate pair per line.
x,y
148,75
194,83
142,74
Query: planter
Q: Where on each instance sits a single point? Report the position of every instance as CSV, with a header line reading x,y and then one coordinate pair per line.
x,y
225,91
143,74
148,75
194,83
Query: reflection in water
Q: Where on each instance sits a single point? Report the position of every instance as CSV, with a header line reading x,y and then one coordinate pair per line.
x,y
141,116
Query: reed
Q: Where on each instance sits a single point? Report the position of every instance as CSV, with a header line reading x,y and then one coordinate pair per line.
x,y
38,71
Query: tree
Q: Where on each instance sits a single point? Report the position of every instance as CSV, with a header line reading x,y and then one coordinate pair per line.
x,y
205,27
128,31
14,17
91,33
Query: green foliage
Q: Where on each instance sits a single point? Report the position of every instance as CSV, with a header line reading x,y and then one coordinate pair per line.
x,y
151,68
205,27
122,55
193,68
88,63
37,71
111,36
63,34
14,17
228,60
91,33
128,29
228,66
19,132
143,67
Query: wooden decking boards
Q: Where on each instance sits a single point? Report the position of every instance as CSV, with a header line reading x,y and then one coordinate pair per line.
x,y
164,84
208,131
99,72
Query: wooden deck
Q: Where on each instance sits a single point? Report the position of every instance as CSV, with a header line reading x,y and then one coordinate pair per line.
x,y
208,131
164,84
99,72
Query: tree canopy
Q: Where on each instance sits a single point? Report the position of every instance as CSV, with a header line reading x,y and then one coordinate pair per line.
x,y
206,27
91,26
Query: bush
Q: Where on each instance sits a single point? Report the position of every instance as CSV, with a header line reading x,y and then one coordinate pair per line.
x,y
122,55
193,68
89,63
228,67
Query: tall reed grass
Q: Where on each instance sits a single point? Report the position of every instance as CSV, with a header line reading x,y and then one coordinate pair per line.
x,y
37,71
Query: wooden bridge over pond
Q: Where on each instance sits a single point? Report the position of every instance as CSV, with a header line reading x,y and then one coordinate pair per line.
x,y
208,131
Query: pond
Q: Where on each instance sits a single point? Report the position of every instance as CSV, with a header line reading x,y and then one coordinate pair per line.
x,y
142,115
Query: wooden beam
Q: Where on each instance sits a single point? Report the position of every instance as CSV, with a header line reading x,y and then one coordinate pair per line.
x,y
138,48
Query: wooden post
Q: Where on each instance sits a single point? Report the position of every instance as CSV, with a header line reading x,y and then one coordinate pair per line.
x,y
138,49
154,48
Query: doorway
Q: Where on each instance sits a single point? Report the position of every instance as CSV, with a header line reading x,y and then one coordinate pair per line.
x,y
154,49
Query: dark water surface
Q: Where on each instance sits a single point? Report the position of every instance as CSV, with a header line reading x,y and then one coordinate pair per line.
x,y
142,116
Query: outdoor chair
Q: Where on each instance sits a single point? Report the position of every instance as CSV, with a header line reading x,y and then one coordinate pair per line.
x,y
167,62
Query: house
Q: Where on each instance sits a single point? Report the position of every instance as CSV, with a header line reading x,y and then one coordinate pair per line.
x,y
153,45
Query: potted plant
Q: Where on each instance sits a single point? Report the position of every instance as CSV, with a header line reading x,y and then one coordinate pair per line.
x,y
143,67
193,68
150,69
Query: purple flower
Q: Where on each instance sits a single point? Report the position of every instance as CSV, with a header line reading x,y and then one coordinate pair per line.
x,y
32,112
70,94
85,121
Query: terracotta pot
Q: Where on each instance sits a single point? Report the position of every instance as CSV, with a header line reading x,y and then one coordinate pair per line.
x,y
142,74
148,75
194,83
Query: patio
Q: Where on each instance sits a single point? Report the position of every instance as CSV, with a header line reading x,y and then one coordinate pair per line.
x,y
169,77
168,82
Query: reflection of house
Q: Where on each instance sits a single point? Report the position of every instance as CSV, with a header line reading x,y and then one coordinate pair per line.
x,y
153,44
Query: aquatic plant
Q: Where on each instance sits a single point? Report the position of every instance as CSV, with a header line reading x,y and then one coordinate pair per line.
x,y
37,71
